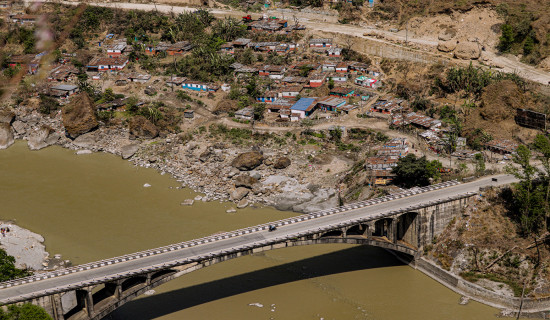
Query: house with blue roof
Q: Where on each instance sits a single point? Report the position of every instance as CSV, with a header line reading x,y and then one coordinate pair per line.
x,y
302,108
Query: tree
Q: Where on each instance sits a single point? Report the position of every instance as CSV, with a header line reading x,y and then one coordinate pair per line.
x,y
331,83
542,145
26,311
259,110
412,171
479,163
528,197
8,271
507,38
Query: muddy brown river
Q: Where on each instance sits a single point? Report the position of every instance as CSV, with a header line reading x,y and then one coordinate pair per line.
x,y
90,207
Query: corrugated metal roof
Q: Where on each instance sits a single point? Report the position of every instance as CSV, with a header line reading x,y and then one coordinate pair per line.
x,y
303,104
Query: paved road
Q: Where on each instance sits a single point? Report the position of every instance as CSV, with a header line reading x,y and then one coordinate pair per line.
x,y
312,225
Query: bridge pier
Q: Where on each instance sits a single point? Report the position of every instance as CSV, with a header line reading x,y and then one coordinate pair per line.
x,y
89,302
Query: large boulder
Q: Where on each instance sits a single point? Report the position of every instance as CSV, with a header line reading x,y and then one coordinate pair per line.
x,y
129,150
248,160
447,46
6,115
79,116
42,138
467,50
87,141
239,193
281,163
19,127
140,127
246,181
6,135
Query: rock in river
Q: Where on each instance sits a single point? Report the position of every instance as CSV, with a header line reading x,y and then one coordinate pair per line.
x,y
248,160
6,135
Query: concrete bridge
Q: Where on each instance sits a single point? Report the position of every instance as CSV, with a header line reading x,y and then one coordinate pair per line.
x,y
403,222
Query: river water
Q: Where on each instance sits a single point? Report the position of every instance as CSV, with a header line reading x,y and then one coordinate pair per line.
x,y
90,207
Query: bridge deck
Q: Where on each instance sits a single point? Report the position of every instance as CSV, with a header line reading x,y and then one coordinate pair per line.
x,y
15,292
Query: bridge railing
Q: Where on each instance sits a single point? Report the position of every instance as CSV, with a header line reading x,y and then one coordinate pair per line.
x,y
225,235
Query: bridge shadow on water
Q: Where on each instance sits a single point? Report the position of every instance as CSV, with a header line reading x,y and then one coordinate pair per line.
x,y
342,261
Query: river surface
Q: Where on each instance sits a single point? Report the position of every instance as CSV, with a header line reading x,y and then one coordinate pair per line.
x,y
90,207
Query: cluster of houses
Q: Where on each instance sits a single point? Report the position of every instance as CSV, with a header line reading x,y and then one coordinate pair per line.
x,y
380,166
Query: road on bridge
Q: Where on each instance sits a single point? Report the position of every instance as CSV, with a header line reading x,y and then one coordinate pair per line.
x,y
120,269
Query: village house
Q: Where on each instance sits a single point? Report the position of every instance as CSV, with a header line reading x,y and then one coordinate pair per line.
x,y
502,146
289,92
272,71
63,90
368,82
175,81
4,4
241,69
374,71
268,25
199,86
264,46
381,162
140,78
107,63
341,92
334,52
178,48
63,73
387,106
382,177
267,97
416,120
338,77
317,80
279,104
342,67
27,62
328,66
358,67
398,147
245,113
302,108
294,80
330,103
152,49
241,43
23,19
320,43
115,49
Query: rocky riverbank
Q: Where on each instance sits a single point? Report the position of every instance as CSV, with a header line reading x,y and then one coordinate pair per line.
x,y
27,248
221,171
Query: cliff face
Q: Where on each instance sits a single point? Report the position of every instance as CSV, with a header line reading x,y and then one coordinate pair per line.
x,y
79,116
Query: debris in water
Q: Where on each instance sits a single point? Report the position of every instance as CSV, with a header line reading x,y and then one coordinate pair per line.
x,y
146,185
257,304
149,292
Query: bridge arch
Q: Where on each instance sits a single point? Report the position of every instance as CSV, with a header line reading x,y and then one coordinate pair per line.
x,y
135,288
